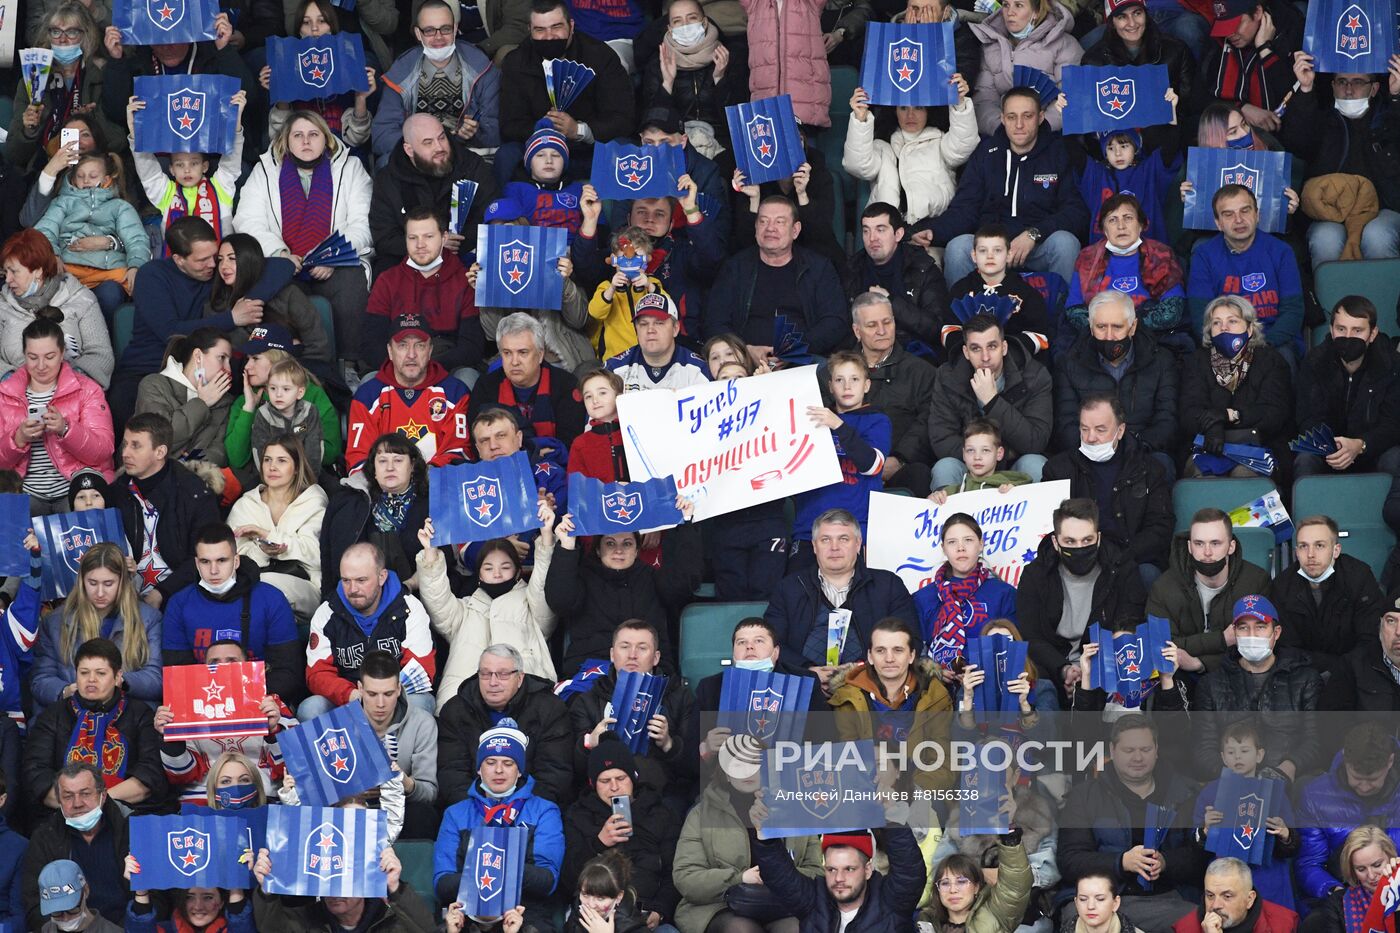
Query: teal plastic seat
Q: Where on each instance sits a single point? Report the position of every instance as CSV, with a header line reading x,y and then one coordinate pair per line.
x,y
1354,502
707,635
416,857
123,320
1217,492
1377,279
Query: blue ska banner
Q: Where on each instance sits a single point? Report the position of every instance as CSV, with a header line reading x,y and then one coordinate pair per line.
x,y
493,871
1002,659
189,851
909,65
1114,97
622,171
1350,36
635,699
520,267
1154,832
829,788
1247,803
480,501
1129,661
252,819
316,68
65,538
334,756
161,22
1264,173
767,146
326,852
769,706
979,811
14,516
463,196
186,113
1038,81
601,508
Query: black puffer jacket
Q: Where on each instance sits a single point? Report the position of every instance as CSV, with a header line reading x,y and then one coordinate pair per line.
x,y
1023,409
670,772
650,850
1361,405
400,187
1040,599
1175,597
1148,390
1141,497
1371,687
1264,399
1290,687
1331,143
1346,616
902,387
919,309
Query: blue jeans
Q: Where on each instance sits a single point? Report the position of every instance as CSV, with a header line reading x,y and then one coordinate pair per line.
x,y
1380,239
317,705
949,471
1056,253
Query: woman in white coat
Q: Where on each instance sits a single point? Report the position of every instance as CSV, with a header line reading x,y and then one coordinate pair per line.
x,y
278,524
915,168
504,609
305,187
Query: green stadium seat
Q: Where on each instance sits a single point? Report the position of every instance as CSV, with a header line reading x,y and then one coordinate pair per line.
x,y
123,320
1377,279
1218,492
323,307
1259,548
1354,502
416,857
707,635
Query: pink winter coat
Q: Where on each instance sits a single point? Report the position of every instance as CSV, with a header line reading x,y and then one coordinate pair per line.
x,y
787,56
1048,48
89,443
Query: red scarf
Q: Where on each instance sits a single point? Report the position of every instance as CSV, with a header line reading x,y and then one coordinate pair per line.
x,y
958,614
539,412
92,729
306,216
182,923
206,205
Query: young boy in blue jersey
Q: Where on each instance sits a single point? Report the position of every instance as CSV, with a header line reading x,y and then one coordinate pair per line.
x,y
862,438
1143,163
546,199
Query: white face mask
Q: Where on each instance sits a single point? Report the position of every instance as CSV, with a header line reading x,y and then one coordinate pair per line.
x,y
1099,453
76,923
222,588
1123,250
754,664
440,55
1352,108
429,267
688,35
1319,579
1253,648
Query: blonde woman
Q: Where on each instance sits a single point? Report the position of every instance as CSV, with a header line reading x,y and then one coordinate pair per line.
x,y
278,525
235,784
304,188
102,604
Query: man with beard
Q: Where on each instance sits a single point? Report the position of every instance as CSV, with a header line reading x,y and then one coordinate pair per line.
x,y
421,173
905,274
1233,906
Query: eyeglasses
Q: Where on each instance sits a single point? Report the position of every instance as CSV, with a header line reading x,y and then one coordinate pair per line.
x,y
497,676
432,32
72,35
948,884
1355,84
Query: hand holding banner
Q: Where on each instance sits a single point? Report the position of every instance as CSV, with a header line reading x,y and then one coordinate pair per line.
x,y
909,65
602,508
636,698
1350,36
480,501
189,851
316,68
185,113
767,145
1247,804
769,706
165,22
622,172
35,65
1115,97
214,701
493,871
334,756
65,537
831,789
326,852
1264,173
520,266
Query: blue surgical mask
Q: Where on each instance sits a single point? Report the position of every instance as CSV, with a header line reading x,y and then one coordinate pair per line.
x,y
1244,142
754,664
85,822
1229,345
67,54
1024,33
33,288
236,796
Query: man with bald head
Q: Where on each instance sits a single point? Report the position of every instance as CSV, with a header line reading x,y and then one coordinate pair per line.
x,y
371,609
421,173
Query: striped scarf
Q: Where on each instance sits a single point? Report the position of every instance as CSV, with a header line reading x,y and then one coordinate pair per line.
x,y
306,217
65,101
94,728
1355,903
958,613
537,413
206,205
502,813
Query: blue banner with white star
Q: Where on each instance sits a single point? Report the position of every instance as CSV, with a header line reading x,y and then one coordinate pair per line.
x,y
1265,173
622,171
185,113
1114,97
485,500
189,851
334,756
164,22
493,871
326,851
1350,36
601,508
909,65
316,68
520,267
830,788
767,144
769,706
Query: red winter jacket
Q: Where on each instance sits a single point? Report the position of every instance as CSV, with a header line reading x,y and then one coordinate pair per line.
x,y
1273,918
597,453
444,298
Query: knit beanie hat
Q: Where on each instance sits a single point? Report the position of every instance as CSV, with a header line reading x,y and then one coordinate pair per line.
x,y
610,753
89,479
505,741
546,137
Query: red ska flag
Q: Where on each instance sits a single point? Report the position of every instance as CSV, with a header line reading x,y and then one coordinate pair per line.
x,y
215,701
1380,916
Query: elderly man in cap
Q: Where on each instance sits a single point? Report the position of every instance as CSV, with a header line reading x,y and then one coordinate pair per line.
x,y
413,395
63,895
1258,676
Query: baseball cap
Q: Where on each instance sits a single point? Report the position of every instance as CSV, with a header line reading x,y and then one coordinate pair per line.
x,y
740,756
1255,607
665,119
1113,6
861,841
60,887
410,323
1227,16
656,304
268,337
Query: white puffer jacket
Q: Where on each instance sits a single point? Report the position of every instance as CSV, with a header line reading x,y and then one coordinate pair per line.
x,y
922,165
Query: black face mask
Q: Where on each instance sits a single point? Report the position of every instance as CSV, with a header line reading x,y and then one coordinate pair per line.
x,y
1079,560
496,590
1208,568
1349,349
1112,350
549,48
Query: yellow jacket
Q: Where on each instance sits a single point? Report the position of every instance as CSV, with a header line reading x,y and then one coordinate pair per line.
x,y
611,330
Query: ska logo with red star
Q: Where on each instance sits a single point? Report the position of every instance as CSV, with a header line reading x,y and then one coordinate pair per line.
x,y
336,755
188,849
1115,96
187,109
166,14
906,63
490,866
1247,819
1353,32
633,172
73,543
517,266
481,497
316,66
324,855
763,140
622,507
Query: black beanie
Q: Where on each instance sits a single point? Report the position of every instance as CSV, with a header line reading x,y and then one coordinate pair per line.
x,y
610,753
